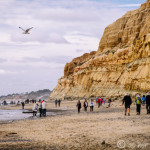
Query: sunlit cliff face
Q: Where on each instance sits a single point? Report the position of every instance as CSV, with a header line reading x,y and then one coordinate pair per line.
x,y
121,64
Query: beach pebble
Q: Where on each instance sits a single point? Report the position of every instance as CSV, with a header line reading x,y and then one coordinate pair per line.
x,y
103,142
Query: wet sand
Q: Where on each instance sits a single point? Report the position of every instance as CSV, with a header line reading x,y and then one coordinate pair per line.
x,y
66,129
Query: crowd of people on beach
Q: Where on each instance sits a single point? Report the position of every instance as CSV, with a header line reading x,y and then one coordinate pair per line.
x,y
99,102
42,108
127,100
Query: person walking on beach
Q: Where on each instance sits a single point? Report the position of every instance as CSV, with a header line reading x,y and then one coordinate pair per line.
x,y
59,101
109,102
44,108
23,104
138,104
104,101
85,105
101,101
91,105
128,101
98,102
40,108
79,106
35,108
56,101
143,100
148,103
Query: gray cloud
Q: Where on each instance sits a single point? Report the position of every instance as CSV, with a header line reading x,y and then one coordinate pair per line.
x,y
2,60
55,59
79,50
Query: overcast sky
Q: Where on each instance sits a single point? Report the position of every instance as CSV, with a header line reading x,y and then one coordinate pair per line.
x,y
63,30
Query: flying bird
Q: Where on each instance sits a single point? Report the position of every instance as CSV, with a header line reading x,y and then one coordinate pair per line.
x,y
26,31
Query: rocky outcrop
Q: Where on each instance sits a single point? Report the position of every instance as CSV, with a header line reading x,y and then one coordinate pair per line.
x,y
70,67
121,64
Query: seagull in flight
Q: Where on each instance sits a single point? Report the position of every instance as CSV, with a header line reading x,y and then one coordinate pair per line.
x,y
26,31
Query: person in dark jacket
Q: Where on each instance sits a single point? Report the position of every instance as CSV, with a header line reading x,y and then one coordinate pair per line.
x,y
56,101
23,104
148,103
85,105
40,108
128,101
109,102
79,106
59,101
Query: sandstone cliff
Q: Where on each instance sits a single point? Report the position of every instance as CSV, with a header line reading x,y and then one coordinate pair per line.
x,y
121,63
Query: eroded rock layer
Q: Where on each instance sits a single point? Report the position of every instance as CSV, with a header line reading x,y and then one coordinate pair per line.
x,y
121,64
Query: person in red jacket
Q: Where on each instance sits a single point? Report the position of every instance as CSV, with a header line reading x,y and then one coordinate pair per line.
x,y
101,101
98,102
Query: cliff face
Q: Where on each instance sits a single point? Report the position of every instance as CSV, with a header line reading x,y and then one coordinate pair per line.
x,y
121,64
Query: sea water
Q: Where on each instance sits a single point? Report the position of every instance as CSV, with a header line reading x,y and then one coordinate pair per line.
x,y
9,115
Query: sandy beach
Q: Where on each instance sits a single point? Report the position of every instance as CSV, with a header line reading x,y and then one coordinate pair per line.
x,y
65,129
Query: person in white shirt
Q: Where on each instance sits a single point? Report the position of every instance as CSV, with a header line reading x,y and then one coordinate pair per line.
x,y
44,108
35,109
91,105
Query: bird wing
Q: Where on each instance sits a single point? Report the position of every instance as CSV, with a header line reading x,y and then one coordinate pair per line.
x,y
21,28
29,29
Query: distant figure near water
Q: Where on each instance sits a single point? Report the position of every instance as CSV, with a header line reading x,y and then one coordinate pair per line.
x,y
40,108
23,104
35,109
128,101
44,108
